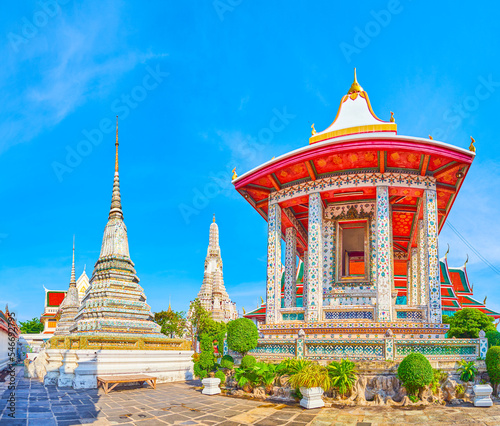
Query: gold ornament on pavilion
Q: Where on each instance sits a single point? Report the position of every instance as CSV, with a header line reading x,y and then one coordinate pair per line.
x,y
471,146
355,87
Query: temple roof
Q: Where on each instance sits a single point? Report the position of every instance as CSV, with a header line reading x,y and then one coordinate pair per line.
x,y
355,115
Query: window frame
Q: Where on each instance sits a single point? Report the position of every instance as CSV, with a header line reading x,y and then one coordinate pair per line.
x,y
339,250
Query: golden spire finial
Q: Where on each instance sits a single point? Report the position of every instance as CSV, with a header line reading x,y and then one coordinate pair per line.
x,y
213,220
313,131
447,251
355,87
116,146
392,120
261,300
234,174
466,261
471,146
430,137
72,281
244,312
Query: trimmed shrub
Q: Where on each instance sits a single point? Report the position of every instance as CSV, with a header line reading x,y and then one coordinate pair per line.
x,y
493,338
199,371
220,375
207,360
247,362
227,361
493,364
242,335
468,322
415,372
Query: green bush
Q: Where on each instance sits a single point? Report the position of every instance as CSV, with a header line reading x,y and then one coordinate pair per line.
x,y
242,335
459,389
207,360
415,372
468,322
227,361
467,370
291,366
493,338
343,375
247,362
220,375
199,371
493,364
438,377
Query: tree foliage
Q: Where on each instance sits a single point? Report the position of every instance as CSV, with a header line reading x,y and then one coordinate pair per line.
x,y
468,322
493,338
493,364
172,323
242,335
33,326
415,372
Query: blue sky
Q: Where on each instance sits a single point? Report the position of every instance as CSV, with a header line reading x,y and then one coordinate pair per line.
x,y
196,85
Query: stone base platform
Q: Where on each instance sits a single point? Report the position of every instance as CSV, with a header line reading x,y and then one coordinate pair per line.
x,y
79,368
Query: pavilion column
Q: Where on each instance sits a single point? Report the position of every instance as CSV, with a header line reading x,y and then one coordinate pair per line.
x,y
384,276
433,283
422,263
408,283
273,295
414,276
313,310
291,268
304,280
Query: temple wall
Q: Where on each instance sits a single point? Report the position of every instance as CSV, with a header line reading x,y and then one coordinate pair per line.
x,y
4,349
80,368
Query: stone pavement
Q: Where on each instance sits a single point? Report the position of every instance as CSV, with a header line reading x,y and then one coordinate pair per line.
x,y
183,404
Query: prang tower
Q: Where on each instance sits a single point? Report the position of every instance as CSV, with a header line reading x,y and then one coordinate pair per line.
x,y
213,295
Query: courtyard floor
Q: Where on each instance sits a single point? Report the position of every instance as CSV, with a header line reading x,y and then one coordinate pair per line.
x,y
183,404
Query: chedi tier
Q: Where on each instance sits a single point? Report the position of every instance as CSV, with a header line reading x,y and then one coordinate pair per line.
x,y
113,313
361,207
213,295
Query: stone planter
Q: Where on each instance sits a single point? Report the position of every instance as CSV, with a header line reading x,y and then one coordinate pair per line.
x,y
312,398
211,386
482,396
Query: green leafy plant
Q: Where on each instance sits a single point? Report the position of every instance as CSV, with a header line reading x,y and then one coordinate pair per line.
x,y
343,375
467,370
493,337
459,389
312,376
415,372
439,376
468,322
227,361
248,361
291,366
493,364
220,375
33,326
242,335
266,374
199,371
246,379
413,398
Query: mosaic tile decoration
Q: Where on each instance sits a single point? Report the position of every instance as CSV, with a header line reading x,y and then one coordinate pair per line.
x,y
422,262
436,349
290,292
389,349
304,278
434,286
410,315
345,350
346,315
293,317
275,348
273,301
384,255
315,264
414,277
353,181
483,347
295,222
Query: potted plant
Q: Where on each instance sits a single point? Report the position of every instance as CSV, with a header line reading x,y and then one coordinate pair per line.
x,y
312,380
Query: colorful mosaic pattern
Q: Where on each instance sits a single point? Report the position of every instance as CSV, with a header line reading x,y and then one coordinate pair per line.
x,y
304,278
290,292
384,256
296,224
345,350
353,181
422,263
293,317
434,287
410,315
329,230
436,349
300,348
315,265
346,315
414,277
389,349
275,348
483,347
273,301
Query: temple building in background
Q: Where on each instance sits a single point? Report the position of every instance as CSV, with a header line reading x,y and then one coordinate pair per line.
x,y
362,207
213,295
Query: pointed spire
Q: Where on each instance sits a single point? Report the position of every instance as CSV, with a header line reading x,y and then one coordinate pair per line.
x,y
355,87
213,219
116,204
72,282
